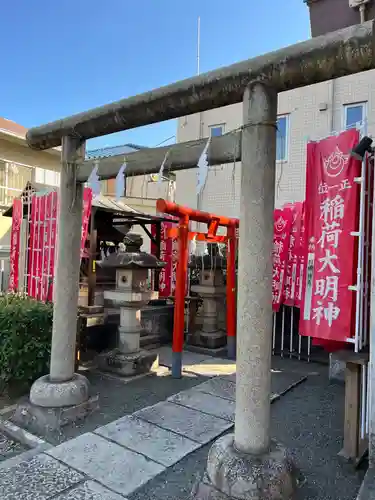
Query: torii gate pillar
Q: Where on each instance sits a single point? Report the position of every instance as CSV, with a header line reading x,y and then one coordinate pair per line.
x,y
248,464
62,395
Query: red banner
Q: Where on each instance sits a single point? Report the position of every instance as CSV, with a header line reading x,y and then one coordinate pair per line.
x,y
332,208
37,246
43,241
290,286
166,249
31,266
281,237
15,244
87,202
300,251
53,210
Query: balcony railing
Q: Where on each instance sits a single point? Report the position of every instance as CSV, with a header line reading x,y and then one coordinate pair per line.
x,y
13,179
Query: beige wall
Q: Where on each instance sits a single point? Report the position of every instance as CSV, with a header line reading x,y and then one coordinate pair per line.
x,y
15,150
141,187
5,230
21,153
306,121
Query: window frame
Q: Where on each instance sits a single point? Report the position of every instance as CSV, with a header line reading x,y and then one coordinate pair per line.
x,y
287,129
363,104
217,125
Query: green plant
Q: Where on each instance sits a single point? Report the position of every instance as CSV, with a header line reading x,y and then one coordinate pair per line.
x,y
25,340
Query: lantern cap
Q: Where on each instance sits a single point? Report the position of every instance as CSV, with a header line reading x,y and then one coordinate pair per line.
x,y
132,257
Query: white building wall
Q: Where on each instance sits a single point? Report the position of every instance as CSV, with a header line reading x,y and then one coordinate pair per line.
x,y
313,113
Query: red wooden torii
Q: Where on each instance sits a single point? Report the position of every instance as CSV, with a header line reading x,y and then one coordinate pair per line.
x,y
213,221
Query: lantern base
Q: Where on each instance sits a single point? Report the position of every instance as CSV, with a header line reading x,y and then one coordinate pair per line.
x,y
127,365
53,405
208,340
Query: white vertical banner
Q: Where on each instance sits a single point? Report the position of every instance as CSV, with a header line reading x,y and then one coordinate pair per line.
x,y
161,170
120,182
202,168
93,181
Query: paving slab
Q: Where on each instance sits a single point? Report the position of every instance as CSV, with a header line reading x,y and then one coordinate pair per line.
x,y
115,467
37,479
206,403
367,489
188,358
160,445
119,398
89,490
309,421
220,386
190,423
281,381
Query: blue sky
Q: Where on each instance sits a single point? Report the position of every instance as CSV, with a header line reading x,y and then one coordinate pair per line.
x,y
60,58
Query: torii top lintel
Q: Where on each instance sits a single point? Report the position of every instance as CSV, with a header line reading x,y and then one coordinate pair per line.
x,y
336,54
168,207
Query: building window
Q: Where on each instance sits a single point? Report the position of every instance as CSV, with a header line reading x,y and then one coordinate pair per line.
x,y
354,115
282,138
216,130
167,176
47,177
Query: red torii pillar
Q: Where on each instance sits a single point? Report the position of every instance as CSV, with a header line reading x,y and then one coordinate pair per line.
x,y
213,221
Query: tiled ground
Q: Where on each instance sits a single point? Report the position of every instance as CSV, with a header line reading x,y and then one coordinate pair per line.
x,y
117,459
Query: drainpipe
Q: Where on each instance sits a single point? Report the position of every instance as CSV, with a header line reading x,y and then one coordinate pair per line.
x,y
331,118
200,131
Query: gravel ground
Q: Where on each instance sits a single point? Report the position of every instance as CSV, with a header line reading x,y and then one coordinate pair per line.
x,y
9,448
309,420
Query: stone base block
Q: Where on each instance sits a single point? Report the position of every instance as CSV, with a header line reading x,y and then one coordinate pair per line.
x,y
210,340
235,475
367,490
127,365
50,394
42,420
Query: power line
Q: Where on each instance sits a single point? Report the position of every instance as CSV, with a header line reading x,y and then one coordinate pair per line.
x,y
165,140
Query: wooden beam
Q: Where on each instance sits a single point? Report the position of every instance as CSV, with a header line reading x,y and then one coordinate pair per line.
x,y
350,447
181,156
322,58
149,234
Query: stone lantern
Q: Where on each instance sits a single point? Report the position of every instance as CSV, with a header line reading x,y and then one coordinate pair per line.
x,y
130,295
210,333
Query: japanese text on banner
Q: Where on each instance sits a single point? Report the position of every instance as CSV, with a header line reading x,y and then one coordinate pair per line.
x,y
166,255
290,285
300,251
87,201
15,244
281,237
332,207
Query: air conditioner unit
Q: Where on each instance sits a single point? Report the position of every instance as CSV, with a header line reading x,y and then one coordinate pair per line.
x,y
354,4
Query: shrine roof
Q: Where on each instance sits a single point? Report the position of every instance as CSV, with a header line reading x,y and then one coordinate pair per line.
x,y
109,204
112,151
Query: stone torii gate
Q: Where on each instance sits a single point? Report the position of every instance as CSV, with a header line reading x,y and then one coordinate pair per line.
x,y
247,464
